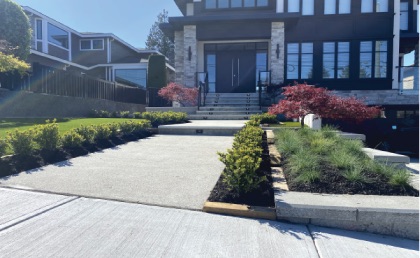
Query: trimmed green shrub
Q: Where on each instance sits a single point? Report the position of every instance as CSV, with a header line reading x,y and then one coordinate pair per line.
x,y
114,128
164,118
72,140
243,160
156,72
88,132
103,132
3,147
47,136
125,114
136,115
265,118
22,142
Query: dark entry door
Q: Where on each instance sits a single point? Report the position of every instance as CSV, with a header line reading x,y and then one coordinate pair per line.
x,y
235,71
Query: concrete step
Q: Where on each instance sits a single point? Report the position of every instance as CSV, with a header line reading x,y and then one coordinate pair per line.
x,y
232,112
245,103
232,95
219,128
238,108
219,117
239,104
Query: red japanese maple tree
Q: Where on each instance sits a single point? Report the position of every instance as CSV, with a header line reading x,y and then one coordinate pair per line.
x,y
302,100
176,92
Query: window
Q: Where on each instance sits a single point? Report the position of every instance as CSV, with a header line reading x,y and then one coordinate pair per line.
x,y
373,59
370,6
293,6
330,6
403,15
261,63
222,4
299,60
131,77
336,60
211,71
307,7
91,44
58,36
39,29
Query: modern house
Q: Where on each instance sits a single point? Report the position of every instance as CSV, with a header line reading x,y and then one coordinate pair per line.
x,y
55,46
355,47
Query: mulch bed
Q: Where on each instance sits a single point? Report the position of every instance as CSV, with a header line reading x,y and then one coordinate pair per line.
x,y
15,164
331,182
263,196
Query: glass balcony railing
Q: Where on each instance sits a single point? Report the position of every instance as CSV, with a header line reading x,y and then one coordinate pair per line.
x,y
409,80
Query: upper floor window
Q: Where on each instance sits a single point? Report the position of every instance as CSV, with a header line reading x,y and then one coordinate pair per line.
x,y
300,60
336,60
373,59
221,4
337,6
39,29
404,15
378,6
91,44
306,7
58,36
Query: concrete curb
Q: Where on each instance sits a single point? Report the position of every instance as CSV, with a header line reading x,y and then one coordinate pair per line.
x,y
255,212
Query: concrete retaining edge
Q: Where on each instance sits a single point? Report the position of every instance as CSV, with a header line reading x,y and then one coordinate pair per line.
x,y
255,212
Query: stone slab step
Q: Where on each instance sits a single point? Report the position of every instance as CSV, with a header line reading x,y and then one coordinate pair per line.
x,y
233,112
216,128
232,95
219,117
224,104
238,108
386,157
234,102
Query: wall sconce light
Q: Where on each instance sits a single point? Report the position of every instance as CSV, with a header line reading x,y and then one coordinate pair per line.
x,y
278,51
189,53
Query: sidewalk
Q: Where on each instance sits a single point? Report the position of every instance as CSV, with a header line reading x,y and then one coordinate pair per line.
x,y
164,170
47,225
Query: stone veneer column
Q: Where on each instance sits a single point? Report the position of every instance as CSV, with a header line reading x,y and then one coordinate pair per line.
x,y
190,66
179,57
277,64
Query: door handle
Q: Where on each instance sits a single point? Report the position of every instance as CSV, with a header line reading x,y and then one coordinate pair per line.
x,y
239,73
232,72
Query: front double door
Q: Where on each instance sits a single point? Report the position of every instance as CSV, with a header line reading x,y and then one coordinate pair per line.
x,y
235,71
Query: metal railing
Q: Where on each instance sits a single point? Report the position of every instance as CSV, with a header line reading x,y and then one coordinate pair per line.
x,y
409,80
202,85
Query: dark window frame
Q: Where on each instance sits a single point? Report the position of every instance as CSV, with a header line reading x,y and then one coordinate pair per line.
x,y
286,8
374,52
337,8
300,54
336,54
255,6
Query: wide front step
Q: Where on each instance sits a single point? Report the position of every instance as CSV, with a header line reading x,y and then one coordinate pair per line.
x,y
219,117
232,112
238,108
225,128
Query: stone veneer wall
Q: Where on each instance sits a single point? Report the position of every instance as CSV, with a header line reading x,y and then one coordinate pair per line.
x,y
179,57
277,64
190,66
381,97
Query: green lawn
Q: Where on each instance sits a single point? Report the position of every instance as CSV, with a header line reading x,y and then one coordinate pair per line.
x,y
286,124
65,124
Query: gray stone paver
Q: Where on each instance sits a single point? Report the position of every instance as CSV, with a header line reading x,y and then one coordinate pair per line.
x,y
332,243
164,170
99,228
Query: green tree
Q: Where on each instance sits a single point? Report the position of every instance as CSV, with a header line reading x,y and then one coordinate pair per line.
x,y
158,40
14,29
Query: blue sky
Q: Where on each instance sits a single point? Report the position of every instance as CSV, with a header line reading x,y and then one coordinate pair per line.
x,y
130,20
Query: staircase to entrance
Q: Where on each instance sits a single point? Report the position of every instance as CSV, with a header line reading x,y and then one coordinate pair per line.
x,y
227,106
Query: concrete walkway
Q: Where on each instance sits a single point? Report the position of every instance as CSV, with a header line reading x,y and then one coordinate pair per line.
x,y
48,225
164,170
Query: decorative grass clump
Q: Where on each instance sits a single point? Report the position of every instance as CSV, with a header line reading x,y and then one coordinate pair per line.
x,y
322,161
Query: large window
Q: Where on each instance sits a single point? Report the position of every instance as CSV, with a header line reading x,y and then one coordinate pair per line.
x,y
373,59
300,60
404,15
378,6
336,60
91,44
131,77
221,4
211,71
39,29
58,36
306,7
337,6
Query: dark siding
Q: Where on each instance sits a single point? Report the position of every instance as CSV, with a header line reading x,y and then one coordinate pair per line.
x,y
58,52
234,31
121,53
89,57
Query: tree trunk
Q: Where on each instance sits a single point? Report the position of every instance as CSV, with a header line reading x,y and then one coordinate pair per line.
x,y
302,122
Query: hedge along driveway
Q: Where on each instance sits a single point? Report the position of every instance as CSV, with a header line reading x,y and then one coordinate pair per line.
x,y
64,124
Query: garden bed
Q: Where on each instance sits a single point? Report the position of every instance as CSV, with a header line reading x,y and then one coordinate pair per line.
x,y
322,162
262,196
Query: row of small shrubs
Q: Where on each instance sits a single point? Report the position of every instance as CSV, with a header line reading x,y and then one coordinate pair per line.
x,y
47,137
243,160
308,152
156,118
264,118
